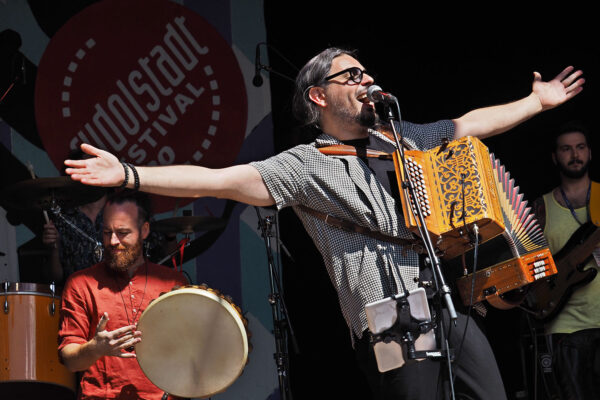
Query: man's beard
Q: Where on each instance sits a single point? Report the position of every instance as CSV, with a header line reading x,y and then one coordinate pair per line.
x,y
574,174
366,118
125,258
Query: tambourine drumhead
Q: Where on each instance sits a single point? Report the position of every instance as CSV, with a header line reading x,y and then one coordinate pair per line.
x,y
194,342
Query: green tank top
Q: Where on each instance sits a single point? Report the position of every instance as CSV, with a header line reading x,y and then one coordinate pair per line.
x,y
582,311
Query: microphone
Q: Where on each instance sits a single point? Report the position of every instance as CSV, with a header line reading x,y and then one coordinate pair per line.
x,y
377,95
258,80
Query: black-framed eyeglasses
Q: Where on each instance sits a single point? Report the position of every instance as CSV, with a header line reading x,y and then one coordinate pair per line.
x,y
355,74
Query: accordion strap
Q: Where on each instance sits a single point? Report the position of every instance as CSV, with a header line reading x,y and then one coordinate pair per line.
x,y
349,226
346,150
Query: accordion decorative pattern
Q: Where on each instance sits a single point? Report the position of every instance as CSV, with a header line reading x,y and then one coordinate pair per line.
x,y
460,185
455,188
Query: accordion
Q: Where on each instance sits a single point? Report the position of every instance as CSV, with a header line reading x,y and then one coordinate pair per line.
x,y
459,185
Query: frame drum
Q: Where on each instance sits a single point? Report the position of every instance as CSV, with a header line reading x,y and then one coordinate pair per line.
x,y
29,365
194,342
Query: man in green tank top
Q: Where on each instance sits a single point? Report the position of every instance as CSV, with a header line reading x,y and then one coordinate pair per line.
x,y
575,329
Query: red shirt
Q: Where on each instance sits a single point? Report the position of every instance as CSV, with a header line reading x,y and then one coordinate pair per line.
x,y
86,296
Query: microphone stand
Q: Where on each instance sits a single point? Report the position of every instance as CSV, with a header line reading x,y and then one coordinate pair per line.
x,y
262,67
279,312
432,259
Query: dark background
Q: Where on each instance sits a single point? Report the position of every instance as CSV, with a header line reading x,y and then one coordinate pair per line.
x,y
440,64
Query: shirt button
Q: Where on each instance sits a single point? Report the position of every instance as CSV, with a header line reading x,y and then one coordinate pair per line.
x,y
131,283
134,310
132,296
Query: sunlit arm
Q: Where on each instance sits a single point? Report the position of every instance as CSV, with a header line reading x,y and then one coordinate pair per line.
x,y
241,182
489,121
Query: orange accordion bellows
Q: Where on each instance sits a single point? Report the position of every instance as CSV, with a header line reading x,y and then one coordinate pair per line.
x,y
461,184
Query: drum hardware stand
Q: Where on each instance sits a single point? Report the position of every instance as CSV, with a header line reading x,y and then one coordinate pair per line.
x,y
441,288
177,250
53,306
18,77
279,311
6,306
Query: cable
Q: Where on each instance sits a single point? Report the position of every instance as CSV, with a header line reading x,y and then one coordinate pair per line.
x,y
475,256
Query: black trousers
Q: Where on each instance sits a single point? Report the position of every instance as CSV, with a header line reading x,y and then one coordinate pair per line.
x,y
577,364
477,374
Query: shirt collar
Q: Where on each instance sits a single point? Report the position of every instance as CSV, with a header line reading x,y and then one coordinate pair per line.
x,y
327,140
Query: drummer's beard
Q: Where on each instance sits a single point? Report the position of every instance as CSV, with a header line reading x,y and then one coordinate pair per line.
x,y
124,259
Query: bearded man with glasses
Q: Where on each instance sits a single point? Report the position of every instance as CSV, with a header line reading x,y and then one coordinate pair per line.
x,y
331,94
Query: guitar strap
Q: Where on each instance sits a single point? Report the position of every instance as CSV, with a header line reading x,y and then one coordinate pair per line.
x,y
568,203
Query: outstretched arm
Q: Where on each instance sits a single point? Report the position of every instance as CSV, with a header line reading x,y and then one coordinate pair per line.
x,y
241,182
489,121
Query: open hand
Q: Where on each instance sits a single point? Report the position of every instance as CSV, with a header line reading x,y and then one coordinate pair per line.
x,y
563,87
112,343
104,169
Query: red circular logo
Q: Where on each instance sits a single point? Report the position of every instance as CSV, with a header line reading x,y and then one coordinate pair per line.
x,y
149,81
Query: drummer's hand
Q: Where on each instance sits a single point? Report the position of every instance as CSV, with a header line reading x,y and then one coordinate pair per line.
x,y
102,170
50,235
112,343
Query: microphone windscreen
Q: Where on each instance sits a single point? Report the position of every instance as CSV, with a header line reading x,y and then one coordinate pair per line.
x,y
371,92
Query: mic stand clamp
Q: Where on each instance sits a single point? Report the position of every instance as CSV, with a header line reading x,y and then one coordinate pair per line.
x,y
407,330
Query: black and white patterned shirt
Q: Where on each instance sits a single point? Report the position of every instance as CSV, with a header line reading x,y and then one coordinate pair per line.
x,y
361,268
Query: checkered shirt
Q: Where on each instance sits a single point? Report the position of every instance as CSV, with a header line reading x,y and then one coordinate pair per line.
x,y
361,268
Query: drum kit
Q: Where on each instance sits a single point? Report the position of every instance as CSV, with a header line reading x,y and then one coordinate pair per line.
x,y
196,340
29,365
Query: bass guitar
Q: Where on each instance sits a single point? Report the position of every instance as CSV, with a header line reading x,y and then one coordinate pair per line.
x,y
545,299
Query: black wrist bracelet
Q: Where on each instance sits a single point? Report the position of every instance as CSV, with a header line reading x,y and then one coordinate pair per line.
x,y
126,180
136,177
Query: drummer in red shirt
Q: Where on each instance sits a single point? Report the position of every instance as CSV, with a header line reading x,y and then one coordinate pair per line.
x,y
101,306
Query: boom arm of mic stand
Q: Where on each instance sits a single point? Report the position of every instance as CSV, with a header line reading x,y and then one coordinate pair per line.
x,y
272,71
268,68
435,262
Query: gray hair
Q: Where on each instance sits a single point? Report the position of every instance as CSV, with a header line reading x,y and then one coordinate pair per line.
x,y
312,74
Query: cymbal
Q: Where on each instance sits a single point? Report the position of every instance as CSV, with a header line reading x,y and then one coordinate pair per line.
x,y
188,224
40,192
